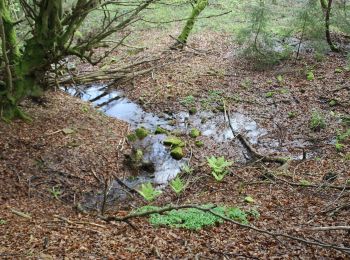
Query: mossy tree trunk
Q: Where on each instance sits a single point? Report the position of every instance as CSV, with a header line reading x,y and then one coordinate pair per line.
x,y
327,8
198,7
53,31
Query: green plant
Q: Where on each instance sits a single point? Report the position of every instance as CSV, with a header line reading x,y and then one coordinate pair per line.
x,y
339,146
270,94
194,219
85,108
189,100
305,183
292,114
347,157
254,213
310,75
148,192
249,199
333,102
2,222
55,192
219,167
177,185
317,121
187,169
280,79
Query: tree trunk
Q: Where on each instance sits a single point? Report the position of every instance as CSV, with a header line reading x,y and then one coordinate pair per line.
x,y
327,7
197,9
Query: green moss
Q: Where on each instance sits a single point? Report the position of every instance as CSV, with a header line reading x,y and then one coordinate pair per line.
x,y
333,102
194,133
132,137
173,141
199,143
141,132
160,130
192,111
177,153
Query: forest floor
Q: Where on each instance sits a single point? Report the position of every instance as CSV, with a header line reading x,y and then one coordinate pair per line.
x,y
72,146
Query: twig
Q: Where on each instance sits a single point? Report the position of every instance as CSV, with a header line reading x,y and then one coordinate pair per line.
x,y
329,228
21,214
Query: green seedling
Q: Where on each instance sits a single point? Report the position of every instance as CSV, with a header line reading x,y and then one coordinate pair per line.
x,y
2,222
317,121
55,192
270,94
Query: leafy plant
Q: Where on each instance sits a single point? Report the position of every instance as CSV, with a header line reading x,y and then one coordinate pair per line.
x,y
2,222
194,219
317,121
254,213
249,199
189,100
55,192
148,192
310,75
270,94
305,183
187,169
338,146
177,185
292,114
219,167
280,79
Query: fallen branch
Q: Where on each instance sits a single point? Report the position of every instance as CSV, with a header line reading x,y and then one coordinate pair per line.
x,y
254,154
270,233
21,214
329,228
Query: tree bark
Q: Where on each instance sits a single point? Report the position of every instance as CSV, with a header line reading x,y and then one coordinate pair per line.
x,y
197,9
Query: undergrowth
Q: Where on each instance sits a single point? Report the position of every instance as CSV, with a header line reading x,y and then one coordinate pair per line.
x,y
195,219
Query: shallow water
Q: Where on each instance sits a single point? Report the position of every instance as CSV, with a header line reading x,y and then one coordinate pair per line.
x,y
115,104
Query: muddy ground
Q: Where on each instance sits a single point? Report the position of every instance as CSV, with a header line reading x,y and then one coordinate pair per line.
x,y
71,146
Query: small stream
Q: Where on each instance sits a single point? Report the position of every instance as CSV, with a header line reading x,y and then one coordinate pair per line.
x,y
213,126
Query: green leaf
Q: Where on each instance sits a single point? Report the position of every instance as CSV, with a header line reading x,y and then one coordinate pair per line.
x,y
249,199
67,131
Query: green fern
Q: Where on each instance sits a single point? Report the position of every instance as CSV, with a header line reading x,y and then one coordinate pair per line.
x,y
177,185
148,192
219,167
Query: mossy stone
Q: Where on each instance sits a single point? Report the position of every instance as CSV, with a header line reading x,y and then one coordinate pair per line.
x,y
199,143
173,141
131,137
160,130
194,133
177,153
141,132
192,111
